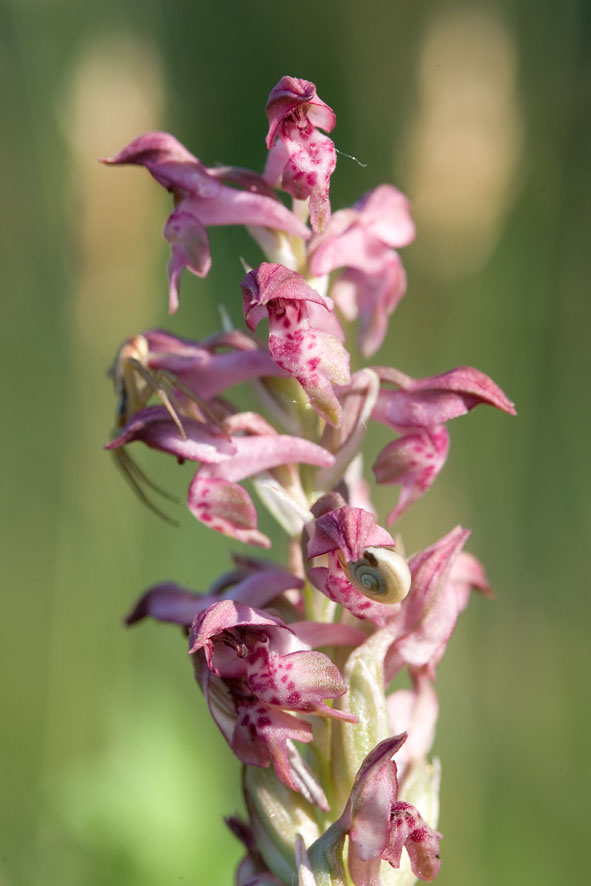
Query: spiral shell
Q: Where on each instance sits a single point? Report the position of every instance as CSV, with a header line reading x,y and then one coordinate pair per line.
x,y
381,574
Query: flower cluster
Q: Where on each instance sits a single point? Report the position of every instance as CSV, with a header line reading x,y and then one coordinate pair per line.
x,y
296,661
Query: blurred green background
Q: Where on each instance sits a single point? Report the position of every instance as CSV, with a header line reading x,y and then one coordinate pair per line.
x,y
112,772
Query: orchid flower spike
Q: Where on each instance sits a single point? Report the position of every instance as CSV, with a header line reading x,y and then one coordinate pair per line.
x,y
301,660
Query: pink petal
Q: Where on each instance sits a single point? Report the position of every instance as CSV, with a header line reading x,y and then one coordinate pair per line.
x,y
171,164
225,616
348,530
430,569
168,601
428,615
261,453
434,400
190,249
414,460
385,213
154,427
415,712
225,507
232,207
314,633
300,682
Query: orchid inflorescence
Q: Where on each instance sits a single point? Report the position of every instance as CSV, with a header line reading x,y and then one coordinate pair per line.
x,y
337,784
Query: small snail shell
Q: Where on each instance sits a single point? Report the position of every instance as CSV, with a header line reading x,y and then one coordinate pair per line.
x,y
381,574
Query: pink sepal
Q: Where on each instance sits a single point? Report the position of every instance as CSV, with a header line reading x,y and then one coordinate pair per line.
x,y
154,427
190,249
413,460
225,507
203,367
427,616
315,633
426,402
167,601
348,530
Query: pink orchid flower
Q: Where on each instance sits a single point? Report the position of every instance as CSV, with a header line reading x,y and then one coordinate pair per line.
x,y
257,673
170,602
202,199
363,568
243,446
361,240
315,358
418,408
301,160
209,367
442,579
380,826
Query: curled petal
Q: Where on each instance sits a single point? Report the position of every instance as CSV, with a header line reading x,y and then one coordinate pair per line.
x,y
373,794
430,569
380,825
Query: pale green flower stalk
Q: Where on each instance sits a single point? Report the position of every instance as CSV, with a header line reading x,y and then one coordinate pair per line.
x,y
337,781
